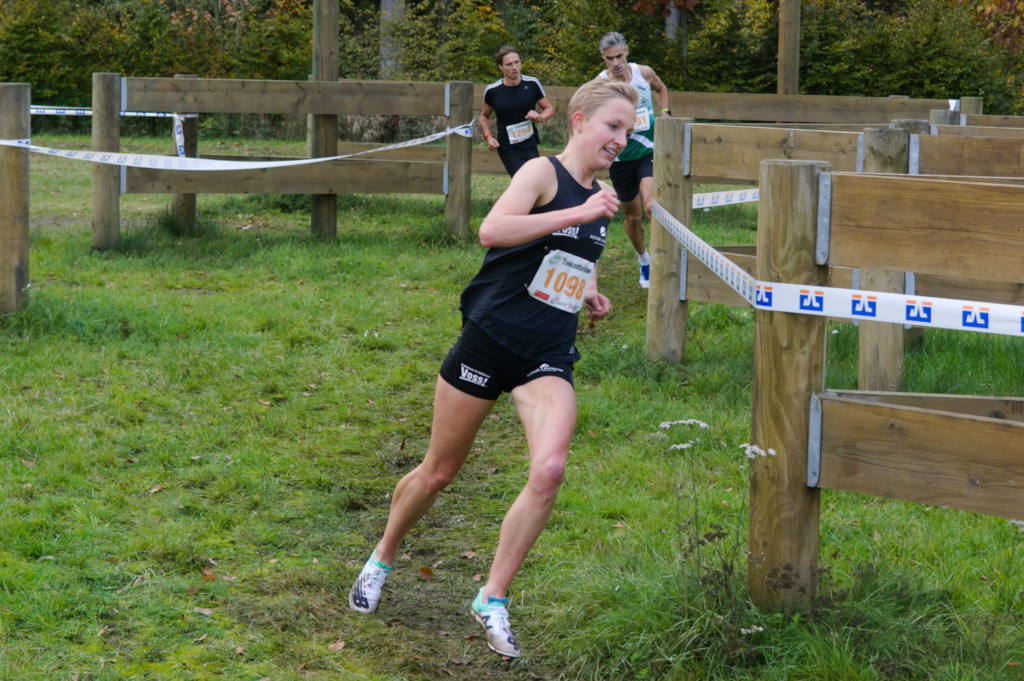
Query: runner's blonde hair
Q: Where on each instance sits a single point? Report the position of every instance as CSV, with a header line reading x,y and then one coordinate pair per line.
x,y
589,97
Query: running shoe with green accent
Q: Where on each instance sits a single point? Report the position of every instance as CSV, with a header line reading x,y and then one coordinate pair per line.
x,y
365,593
493,617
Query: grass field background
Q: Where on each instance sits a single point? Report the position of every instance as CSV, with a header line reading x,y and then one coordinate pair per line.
x,y
199,435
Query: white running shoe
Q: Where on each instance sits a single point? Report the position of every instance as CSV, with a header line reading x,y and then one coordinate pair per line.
x,y
365,593
493,616
645,276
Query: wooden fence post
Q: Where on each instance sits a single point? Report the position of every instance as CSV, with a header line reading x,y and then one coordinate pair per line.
x,y
789,48
106,179
666,313
789,358
184,209
881,345
459,161
15,123
324,127
972,105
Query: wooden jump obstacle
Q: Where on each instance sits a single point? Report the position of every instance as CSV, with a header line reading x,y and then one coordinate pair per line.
x,y
963,452
732,154
449,174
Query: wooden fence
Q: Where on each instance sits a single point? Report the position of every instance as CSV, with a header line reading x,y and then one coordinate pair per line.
x,y
686,154
964,452
447,171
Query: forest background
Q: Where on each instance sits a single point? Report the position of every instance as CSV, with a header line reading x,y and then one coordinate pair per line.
x,y
917,48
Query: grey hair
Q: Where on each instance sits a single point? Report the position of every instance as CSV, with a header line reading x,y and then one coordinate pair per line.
x,y
611,39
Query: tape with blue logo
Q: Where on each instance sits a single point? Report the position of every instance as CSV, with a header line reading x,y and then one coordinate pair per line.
x,y
842,303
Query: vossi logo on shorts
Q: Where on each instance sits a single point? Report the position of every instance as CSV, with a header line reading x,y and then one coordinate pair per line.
x,y
474,376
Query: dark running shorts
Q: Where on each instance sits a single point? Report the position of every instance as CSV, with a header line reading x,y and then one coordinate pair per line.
x,y
514,156
626,176
478,366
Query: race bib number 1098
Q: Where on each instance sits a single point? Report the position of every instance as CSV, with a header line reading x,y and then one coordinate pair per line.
x,y
561,281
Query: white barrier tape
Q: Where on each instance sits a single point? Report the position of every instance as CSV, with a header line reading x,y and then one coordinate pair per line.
x,y
879,306
81,111
179,134
711,199
203,164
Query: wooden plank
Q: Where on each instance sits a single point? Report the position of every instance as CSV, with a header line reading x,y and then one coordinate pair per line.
x,y
788,78
738,106
484,162
733,106
996,121
958,155
227,95
978,131
106,179
984,290
880,345
704,286
15,123
736,151
322,131
913,224
459,163
789,359
1011,408
339,177
931,457
977,178
666,314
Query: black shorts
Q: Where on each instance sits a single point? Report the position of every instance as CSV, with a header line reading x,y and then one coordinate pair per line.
x,y
626,176
513,156
478,366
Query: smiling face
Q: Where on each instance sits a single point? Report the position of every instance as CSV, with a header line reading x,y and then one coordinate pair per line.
x,y
616,60
510,68
604,133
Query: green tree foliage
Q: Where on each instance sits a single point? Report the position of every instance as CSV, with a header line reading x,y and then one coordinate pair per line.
x,y
450,40
920,48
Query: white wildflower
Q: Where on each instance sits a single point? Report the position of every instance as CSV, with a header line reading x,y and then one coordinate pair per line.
x,y
1018,523
684,422
752,630
753,451
683,445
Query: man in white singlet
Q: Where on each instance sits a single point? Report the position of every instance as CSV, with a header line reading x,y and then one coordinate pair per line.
x,y
632,174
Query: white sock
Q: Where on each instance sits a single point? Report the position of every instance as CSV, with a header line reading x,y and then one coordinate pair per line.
x,y
644,258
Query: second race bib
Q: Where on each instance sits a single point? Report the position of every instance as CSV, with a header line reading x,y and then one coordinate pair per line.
x,y
519,132
643,120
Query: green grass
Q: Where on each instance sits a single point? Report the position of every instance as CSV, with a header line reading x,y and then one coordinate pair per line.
x,y
199,436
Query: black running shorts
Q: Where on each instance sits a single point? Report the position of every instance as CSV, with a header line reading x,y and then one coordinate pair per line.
x,y
626,176
478,366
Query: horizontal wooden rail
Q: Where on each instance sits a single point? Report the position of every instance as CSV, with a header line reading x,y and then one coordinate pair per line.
x,y
925,454
226,95
332,177
735,152
914,224
958,155
978,131
996,121
736,106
